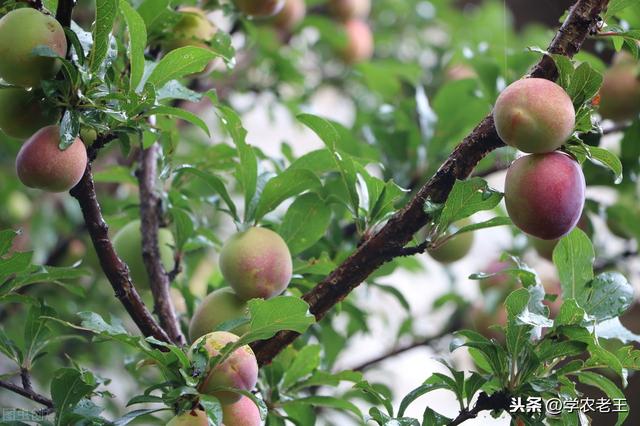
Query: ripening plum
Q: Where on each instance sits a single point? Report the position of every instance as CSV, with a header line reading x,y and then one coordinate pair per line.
x,y
534,115
193,29
22,30
259,8
43,165
620,91
360,44
218,307
544,194
291,15
350,9
190,418
239,370
456,248
128,244
256,263
545,248
242,413
22,112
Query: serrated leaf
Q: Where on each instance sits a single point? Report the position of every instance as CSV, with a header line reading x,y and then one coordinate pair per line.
x,y
466,198
305,362
305,222
607,296
608,387
180,63
106,11
574,256
273,315
182,114
137,42
608,159
287,184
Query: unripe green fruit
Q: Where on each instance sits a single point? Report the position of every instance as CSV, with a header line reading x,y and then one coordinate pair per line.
x,y
259,8
88,135
291,14
218,307
41,164
544,194
620,91
534,115
239,370
19,207
190,418
22,112
21,31
256,263
350,9
242,413
455,248
194,29
128,244
360,44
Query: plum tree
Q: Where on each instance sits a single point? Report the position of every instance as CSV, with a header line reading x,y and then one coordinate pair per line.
x,y
259,8
256,263
242,413
190,418
544,194
21,31
193,29
455,248
43,165
128,244
291,14
239,370
534,115
620,91
350,9
22,112
360,44
219,306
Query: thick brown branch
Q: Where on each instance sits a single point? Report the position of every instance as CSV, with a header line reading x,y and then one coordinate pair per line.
x,y
150,210
115,269
27,393
497,401
400,228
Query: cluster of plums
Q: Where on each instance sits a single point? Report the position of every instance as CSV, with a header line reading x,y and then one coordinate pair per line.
x,y
256,263
545,190
24,111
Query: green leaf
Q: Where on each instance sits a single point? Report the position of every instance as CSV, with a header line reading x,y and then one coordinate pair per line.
x,y
106,11
305,222
180,113
613,329
607,296
184,224
617,6
608,387
417,393
180,63
491,223
585,83
305,362
137,42
466,198
608,159
574,256
154,13
273,315
327,402
68,387
215,183
6,240
287,184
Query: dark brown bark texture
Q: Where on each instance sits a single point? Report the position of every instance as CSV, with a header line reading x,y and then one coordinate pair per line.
x,y
399,230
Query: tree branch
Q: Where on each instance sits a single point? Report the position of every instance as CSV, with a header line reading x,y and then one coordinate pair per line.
x,y
497,401
27,393
115,269
453,325
150,210
399,230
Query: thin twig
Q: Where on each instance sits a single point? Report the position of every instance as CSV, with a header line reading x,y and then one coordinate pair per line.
x,y
497,401
29,394
150,211
399,230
